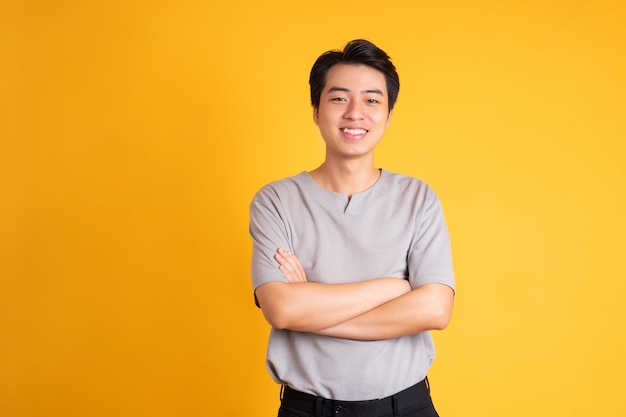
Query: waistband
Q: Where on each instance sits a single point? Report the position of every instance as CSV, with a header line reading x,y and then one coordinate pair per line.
x,y
414,397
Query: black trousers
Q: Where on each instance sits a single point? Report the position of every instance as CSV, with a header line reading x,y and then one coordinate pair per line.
x,y
414,401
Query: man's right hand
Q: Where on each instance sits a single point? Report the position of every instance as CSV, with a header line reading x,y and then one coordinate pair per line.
x,y
290,266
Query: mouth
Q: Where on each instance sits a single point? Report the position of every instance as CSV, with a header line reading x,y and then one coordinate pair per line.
x,y
354,132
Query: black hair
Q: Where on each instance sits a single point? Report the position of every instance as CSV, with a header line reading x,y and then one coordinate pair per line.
x,y
358,51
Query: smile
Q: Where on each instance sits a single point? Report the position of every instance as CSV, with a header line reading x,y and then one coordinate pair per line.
x,y
354,131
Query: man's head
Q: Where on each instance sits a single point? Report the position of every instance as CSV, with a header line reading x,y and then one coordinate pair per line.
x,y
358,52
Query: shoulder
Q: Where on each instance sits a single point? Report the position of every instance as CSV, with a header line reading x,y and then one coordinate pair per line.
x,y
407,185
281,188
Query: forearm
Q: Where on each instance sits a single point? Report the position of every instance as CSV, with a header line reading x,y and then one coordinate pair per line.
x,y
311,306
428,307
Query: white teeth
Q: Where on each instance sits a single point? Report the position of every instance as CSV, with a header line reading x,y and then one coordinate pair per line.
x,y
354,131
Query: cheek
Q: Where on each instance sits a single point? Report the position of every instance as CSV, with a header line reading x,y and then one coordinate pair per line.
x,y
381,119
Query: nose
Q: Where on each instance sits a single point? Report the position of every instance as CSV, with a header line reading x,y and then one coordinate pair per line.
x,y
355,110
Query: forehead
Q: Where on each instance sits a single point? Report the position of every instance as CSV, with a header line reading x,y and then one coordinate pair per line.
x,y
355,77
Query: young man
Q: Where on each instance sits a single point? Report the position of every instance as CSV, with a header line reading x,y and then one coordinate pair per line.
x,y
351,264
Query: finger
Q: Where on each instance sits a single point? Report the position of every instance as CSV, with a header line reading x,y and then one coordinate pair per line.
x,y
291,264
287,267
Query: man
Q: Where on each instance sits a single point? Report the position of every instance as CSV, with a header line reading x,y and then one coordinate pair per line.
x,y
351,264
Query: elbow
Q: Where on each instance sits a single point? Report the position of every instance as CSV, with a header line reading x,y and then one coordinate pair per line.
x,y
442,315
284,316
275,315
441,320
440,306
276,319
275,305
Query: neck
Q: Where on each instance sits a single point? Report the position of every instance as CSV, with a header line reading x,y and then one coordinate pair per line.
x,y
347,178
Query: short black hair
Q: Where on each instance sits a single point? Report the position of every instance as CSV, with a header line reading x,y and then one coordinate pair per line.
x,y
358,51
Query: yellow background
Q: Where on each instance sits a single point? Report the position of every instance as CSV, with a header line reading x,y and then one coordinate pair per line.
x,y
133,135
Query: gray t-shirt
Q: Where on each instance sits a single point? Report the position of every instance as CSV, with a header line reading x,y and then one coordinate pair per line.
x,y
395,228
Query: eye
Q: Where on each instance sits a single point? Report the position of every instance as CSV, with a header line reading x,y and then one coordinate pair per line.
x,y
339,99
372,101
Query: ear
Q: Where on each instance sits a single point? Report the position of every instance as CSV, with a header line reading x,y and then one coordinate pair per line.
x,y
316,116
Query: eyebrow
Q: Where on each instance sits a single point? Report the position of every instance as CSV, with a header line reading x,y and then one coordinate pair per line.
x,y
346,90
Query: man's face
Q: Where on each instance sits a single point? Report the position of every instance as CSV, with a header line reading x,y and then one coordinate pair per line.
x,y
353,113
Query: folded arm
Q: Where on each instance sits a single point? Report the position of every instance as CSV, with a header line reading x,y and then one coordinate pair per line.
x,y
367,310
428,307
310,306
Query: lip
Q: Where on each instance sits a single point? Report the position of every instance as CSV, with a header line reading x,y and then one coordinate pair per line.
x,y
353,132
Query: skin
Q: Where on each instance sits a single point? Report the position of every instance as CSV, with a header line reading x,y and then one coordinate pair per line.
x,y
428,307
355,97
352,117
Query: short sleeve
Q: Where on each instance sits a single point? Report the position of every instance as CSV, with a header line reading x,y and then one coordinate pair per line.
x,y
430,258
269,231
